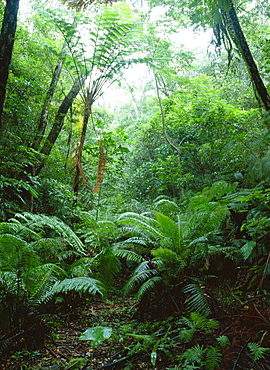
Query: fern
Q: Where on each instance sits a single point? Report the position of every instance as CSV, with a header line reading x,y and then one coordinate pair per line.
x,y
78,284
16,254
196,300
247,249
40,280
107,265
128,255
213,358
194,354
165,206
223,340
41,224
203,323
142,225
81,267
147,286
141,274
257,351
48,247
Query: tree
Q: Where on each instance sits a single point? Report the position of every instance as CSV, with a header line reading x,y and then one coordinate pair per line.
x,y
222,16
7,37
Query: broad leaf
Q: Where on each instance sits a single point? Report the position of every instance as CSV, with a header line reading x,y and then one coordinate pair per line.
x,y
97,334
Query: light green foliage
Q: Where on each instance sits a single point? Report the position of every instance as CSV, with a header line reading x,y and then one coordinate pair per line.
x,y
216,140
33,272
223,340
198,356
197,300
97,334
257,351
177,240
56,227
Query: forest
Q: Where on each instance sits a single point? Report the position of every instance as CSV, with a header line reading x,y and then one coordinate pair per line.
x,y
134,184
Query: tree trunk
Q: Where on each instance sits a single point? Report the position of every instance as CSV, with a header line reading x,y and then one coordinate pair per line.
x,y
238,37
59,119
102,167
78,155
43,120
7,37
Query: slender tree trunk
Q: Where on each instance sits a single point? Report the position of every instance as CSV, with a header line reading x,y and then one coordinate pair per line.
x,y
43,120
59,119
102,167
238,37
7,37
78,156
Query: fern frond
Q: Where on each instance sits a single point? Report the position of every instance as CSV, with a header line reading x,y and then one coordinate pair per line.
x,y
170,230
165,206
144,225
194,354
167,255
223,340
196,300
128,255
16,253
247,249
41,279
40,223
147,286
48,247
14,227
107,265
257,351
141,274
78,284
212,358
81,267
136,240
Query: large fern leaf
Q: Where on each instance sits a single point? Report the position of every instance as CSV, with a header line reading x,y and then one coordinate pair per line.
x,y
141,274
147,286
42,223
78,284
196,300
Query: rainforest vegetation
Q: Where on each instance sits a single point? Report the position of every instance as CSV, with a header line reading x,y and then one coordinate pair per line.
x,y
134,184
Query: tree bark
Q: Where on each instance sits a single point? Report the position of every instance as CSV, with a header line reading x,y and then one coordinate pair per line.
x,y
7,37
78,155
43,120
235,31
59,120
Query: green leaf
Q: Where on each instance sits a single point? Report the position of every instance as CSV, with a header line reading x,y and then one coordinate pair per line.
x,y
153,357
247,249
97,334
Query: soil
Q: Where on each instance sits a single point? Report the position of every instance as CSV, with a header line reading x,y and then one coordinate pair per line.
x,y
64,350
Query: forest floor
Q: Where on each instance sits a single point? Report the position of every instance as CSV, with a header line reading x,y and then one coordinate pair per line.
x,y
63,350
